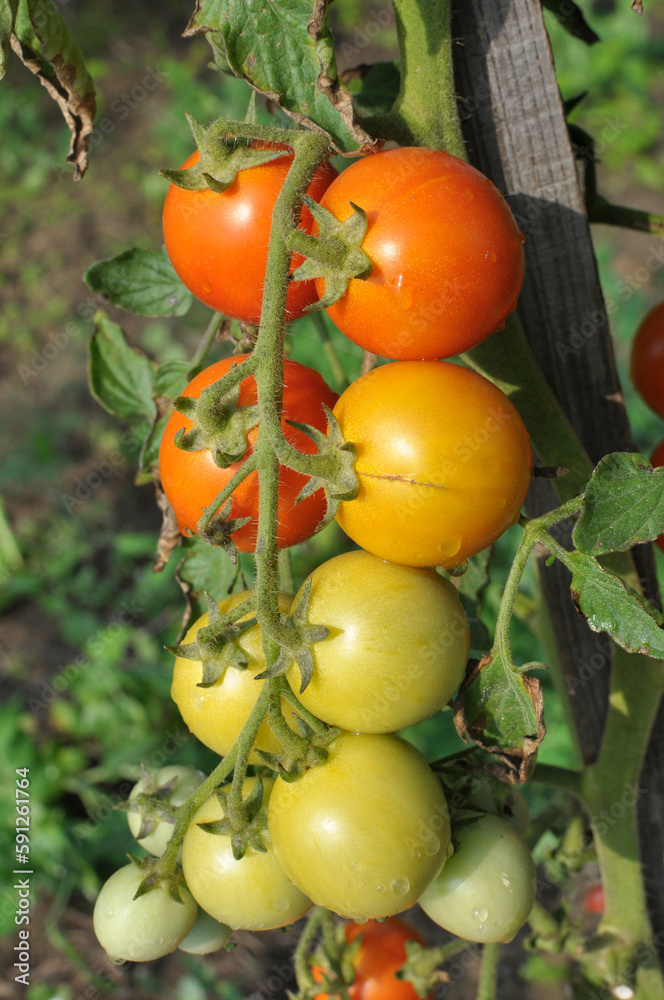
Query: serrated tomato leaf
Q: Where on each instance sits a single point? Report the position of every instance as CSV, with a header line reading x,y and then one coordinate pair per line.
x,y
143,282
623,505
611,606
285,50
171,378
120,378
501,709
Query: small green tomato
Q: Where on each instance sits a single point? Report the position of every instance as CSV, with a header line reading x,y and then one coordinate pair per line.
x,y
207,935
140,930
487,888
186,780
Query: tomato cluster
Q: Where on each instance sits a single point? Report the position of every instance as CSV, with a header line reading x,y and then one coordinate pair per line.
x,y
443,464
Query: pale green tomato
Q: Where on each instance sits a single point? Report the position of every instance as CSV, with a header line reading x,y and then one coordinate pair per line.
x,y
252,893
397,648
364,833
140,930
217,714
487,888
207,935
187,781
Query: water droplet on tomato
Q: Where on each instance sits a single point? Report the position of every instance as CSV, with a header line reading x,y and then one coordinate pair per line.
x,y
505,880
380,888
450,547
491,256
206,286
481,914
400,886
433,846
458,570
468,195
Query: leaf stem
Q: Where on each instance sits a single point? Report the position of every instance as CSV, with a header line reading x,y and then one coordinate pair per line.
x,y
206,343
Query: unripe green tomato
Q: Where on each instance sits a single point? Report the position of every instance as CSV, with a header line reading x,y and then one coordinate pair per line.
x,y
207,935
364,833
397,648
217,714
252,893
140,930
187,781
487,888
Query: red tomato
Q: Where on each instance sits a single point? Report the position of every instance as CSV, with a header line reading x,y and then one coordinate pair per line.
x,y
593,900
648,360
192,479
381,954
218,242
447,255
656,460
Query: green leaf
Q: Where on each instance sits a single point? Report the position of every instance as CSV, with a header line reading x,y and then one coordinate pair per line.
x,y
171,378
284,49
8,10
121,379
611,606
207,569
376,90
143,282
48,49
623,505
572,19
501,708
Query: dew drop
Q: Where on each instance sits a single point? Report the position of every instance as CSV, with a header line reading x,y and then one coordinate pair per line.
x,y
505,880
380,888
501,502
207,287
450,850
458,570
468,195
491,256
522,237
481,927
417,854
481,915
400,886
281,905
117,961
433,846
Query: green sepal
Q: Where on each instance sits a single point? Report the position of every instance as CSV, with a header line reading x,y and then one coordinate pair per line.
x,y
220,159
331,469
154,878
420,970
152,805
335,255
299,648
221,527
217,647
245,825
220,424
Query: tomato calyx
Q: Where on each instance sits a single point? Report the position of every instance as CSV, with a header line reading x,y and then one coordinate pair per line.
x,y
301,750
244,820
296,641
336,254
157,875
217,644
220,424
153,804
221,157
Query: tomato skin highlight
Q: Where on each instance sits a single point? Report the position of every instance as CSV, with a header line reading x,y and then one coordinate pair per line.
x,y
443,459
218,241
397,649
365,832
447,255
382,953
191,479
647,360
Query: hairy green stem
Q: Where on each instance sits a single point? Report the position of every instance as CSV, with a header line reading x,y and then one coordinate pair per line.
x,y
559,777
425,112
206,343
301,955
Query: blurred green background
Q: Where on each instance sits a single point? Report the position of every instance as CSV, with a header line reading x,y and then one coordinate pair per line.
x,y
83,619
